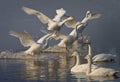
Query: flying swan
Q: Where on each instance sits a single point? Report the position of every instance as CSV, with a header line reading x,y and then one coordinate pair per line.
x,y
27,40
53,24
78,29
73,23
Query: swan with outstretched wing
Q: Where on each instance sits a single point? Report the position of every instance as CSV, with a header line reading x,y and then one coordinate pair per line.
x,y
73,23
68,40
27,40
53,24
78,29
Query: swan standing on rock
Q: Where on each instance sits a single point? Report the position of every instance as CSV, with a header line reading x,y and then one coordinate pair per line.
x,y
53,24
104,58
27,40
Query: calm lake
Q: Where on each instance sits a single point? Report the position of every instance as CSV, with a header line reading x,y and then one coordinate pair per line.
x,y
48,69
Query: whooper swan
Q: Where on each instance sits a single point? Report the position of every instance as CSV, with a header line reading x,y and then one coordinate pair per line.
x,y
53,24
27,40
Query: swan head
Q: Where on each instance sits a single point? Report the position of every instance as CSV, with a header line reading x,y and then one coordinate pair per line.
x,y
88,14
74,54
87,41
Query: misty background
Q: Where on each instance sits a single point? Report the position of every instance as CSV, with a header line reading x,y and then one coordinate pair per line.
x,y
104,32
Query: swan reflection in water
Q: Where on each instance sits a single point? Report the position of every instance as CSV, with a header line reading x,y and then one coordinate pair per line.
x,y
47,69
50,70
81,77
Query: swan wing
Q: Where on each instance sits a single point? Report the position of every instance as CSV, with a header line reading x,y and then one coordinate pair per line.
x,y
70,23
109,57
95,16
102,71
98,57
82,68
25,38
43,18
59,14
103,57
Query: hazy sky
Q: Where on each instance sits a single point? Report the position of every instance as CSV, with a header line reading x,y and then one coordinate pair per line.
x,y
104,32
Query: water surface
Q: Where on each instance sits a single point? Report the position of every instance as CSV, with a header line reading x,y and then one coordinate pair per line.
x,y
45,70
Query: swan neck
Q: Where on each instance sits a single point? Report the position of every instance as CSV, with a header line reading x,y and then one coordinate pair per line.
x,y
84,20
89,50
76,33
79,28
77,60
41,40
46,43
89,59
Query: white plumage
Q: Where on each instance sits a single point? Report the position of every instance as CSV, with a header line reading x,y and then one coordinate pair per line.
x,y
78,68
53,24
100,71
78,28
90,69
73,23
27,40
104,58
59,13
